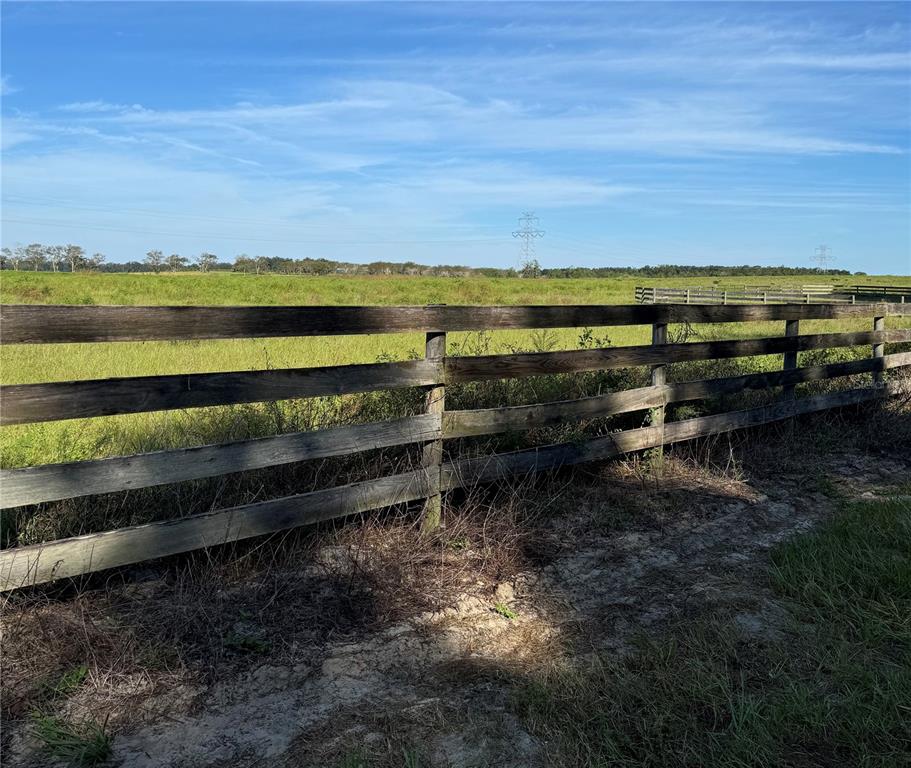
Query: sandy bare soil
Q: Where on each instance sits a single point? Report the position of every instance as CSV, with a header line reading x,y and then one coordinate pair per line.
x,y
618,555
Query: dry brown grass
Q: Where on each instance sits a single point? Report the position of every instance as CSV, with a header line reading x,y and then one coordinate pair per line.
x,y
190,621
186,622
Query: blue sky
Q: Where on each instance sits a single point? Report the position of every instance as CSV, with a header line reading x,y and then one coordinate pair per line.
x,y
639,133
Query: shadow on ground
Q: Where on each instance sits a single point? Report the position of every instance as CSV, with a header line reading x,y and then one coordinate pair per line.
x,y
371,646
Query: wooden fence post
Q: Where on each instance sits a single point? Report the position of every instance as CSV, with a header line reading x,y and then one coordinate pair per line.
x,y
791,328
879,350
659,378
434,349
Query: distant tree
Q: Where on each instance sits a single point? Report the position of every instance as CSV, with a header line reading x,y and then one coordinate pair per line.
x,y
34,255
6,258
55,255
242,263
124,266
154,260
261,264
75,256
176,261
316,266
206,261
17,256
96,261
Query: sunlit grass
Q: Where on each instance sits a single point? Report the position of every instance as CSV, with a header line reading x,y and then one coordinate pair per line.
x,y
88,438
833,690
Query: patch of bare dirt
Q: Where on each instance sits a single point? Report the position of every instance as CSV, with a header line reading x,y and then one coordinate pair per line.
x,y
427,672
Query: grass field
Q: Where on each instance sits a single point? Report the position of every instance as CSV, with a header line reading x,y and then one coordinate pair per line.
x,y
24,364
832,688
81,439
228,288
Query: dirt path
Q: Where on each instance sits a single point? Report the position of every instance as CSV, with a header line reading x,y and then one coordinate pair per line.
x,y
621,559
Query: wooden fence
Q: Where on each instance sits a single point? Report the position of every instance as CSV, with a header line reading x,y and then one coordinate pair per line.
x,y
19,404
899,293
804,294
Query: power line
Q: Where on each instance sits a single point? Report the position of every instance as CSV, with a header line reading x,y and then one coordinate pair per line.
x,y
823,257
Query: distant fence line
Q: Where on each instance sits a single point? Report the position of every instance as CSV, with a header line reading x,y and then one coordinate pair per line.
x,y
26,403
758,294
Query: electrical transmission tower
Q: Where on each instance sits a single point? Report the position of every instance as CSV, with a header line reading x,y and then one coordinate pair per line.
x,y
823,257
527,232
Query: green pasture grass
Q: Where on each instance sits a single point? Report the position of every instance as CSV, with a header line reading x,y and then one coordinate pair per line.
x,y
87,438
228,288
82,439
834,689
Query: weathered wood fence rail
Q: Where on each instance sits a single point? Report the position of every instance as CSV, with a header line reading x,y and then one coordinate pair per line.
x,y
804,294
19,404
899,293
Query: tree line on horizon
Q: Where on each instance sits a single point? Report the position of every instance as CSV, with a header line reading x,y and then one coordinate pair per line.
x,y
73,258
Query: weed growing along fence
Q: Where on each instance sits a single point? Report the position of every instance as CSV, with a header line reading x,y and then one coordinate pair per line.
x,y
26,403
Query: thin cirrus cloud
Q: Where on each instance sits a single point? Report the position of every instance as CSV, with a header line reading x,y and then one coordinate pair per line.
x,y
97,106
378,113
6,86
875,61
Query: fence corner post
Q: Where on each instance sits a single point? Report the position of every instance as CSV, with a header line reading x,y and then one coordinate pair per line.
x,y
434,350
879,351
791,328
656,414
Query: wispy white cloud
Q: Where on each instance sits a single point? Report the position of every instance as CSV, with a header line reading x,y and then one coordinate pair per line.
x,y
372,114
892,60
98,106
15,132
6,86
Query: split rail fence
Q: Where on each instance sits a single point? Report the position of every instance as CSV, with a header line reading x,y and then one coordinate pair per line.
x,y
804,294
899,293
20,404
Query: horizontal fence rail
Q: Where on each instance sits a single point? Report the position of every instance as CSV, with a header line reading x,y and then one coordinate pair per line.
x,y
521,417
807,294
540,363
27,403
54,324
23,403
51,482
40,563
485,469
899,293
